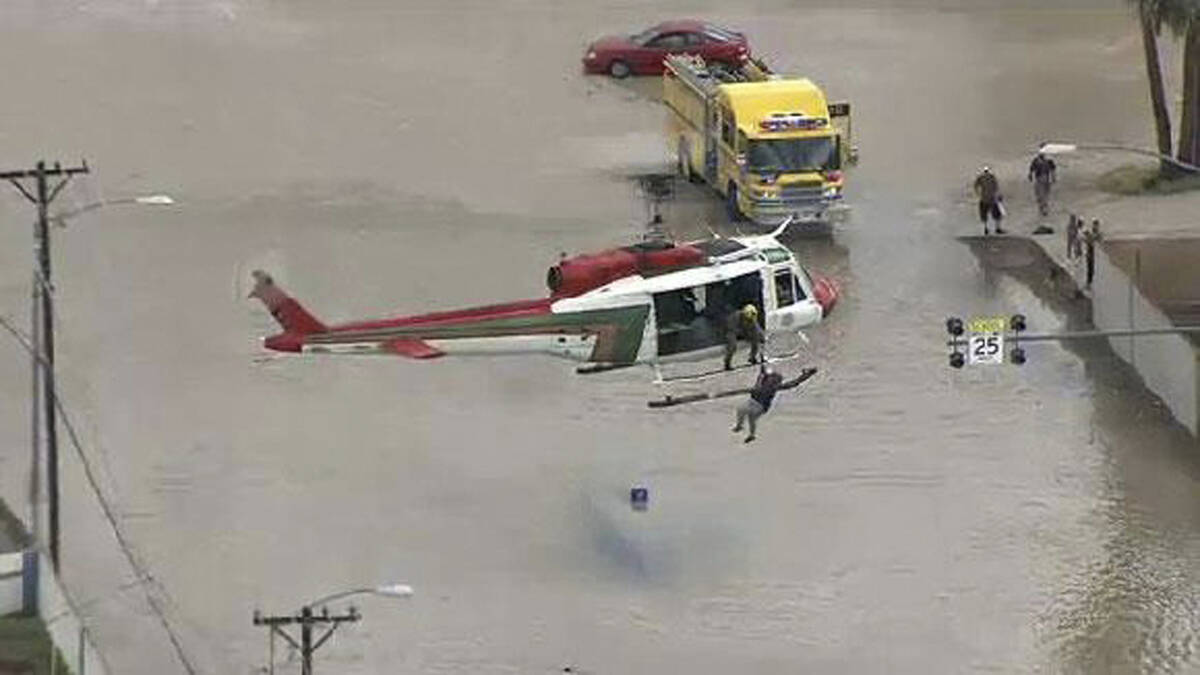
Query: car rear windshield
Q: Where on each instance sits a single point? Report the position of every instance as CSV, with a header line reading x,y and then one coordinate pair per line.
x,y
643,37
718,33
793,155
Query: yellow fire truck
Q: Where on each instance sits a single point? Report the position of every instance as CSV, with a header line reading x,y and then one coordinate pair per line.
x,y
771,145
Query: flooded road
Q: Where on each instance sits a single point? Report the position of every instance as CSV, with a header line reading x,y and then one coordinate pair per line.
x,y
897,516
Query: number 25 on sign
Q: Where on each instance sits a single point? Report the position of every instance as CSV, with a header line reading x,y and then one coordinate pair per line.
x,y
986,348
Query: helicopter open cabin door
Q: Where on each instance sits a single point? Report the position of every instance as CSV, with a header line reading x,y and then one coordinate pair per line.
x,y
692,307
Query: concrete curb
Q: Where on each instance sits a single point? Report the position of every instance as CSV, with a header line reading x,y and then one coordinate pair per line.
x,y
1055,247
1167,364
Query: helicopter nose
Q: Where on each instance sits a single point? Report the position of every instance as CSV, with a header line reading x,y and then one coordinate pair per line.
x,y
826,292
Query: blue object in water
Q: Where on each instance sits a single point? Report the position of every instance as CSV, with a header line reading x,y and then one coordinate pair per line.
x,y
639,497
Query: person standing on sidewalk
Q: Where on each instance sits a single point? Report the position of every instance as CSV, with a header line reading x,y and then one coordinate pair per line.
x,y
1090,239
1042,174
1073,226
987,188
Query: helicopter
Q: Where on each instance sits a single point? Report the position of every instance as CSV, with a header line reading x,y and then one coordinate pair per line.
x,y
653,302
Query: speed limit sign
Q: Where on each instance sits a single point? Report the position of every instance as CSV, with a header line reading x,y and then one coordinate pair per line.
x,y
985,340
986,348
986,344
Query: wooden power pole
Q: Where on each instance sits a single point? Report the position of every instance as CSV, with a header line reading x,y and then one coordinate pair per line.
x,y
42,195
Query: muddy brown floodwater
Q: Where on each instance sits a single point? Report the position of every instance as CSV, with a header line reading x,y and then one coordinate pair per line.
x,y
897,516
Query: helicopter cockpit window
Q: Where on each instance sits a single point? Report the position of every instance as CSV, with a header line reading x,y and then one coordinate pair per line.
x,y
785,288
801,285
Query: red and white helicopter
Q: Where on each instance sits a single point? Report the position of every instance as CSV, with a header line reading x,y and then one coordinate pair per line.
x,y
650,303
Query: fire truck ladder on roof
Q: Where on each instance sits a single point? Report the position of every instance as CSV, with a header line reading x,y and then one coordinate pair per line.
x,y
695,73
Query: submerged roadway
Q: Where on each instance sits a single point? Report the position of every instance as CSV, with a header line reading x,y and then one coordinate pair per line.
x,y
378,157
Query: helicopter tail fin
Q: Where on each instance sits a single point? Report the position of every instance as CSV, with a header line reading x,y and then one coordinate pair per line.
x,y
289,313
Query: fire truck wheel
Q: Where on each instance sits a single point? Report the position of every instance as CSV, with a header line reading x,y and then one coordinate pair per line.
x,y
619,69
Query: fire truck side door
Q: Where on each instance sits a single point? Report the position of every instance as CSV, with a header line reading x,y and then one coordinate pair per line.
x,y
839,114
727,167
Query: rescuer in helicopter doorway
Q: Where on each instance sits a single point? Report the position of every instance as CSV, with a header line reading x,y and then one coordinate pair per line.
x,y
742,323
762,394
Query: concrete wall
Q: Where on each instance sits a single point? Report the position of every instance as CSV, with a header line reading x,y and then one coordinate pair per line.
x,y
18,572
1167,363
11,580
62,622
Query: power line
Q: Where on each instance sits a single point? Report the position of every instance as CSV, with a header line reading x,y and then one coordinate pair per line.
x,y
987,334
140,571
41,347
1086,334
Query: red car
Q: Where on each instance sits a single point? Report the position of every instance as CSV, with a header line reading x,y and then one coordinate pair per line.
x,y
643,54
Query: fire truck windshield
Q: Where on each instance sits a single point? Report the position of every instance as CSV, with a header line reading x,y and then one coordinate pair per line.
x,y
793,155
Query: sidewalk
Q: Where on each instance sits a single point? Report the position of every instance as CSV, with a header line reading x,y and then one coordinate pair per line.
x,y
1121,217
1055,246
25,645
25,648
1147,277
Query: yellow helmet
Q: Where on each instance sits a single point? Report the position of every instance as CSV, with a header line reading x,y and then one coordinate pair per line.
x,y
750,311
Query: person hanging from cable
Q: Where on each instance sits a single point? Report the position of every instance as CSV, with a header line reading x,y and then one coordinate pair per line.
x,y
762,394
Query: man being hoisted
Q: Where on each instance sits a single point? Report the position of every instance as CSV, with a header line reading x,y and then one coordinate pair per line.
x,y
742,323
769,383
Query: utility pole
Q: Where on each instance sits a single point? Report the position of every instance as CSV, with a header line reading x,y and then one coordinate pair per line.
x,y
35,432
307,619
42,195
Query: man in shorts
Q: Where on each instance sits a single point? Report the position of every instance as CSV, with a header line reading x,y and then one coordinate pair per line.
x,y
987,188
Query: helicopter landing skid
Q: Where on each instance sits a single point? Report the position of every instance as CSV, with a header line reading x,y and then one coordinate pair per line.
x,y
696,377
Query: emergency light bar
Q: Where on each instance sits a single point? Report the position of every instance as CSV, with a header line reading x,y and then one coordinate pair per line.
x,y
791,122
